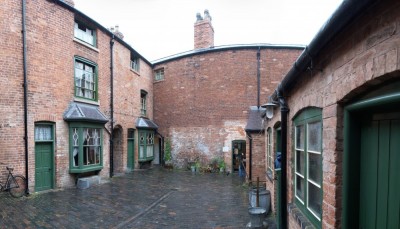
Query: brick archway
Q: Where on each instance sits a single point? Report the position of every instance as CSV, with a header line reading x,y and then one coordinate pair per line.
x,y
118,149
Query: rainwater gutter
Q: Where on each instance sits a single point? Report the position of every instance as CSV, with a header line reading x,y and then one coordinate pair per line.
x,y
112,106
258,78
25,85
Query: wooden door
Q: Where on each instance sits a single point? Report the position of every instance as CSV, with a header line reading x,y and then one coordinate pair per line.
x,y
379,172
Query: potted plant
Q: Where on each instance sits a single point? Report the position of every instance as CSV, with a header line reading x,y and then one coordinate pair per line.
x,y
221,165
197,166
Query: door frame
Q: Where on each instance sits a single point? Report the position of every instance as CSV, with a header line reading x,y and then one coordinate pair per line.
x,y
278,148
53,174
352,150
130,158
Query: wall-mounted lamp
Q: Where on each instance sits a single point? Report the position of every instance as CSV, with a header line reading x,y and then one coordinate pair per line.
x,y
269,109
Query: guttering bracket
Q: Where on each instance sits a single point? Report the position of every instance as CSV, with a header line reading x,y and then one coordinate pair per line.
x,y
311,67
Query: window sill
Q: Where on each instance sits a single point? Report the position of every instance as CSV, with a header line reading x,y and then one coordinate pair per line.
x,y
134,71
86,45
86,169
87,101
299,217
146,159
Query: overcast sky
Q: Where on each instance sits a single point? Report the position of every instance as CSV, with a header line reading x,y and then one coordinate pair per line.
x,y
159,28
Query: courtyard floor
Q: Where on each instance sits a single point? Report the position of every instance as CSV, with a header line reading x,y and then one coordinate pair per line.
x,y
153,198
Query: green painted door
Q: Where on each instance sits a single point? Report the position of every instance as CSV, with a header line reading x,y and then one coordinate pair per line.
x,y
131,149
43,166
379,172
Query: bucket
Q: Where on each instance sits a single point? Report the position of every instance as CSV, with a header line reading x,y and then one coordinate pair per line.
x,y
264,198
256,217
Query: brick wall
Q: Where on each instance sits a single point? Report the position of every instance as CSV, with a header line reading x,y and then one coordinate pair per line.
x,y
203,102
359,59
258,157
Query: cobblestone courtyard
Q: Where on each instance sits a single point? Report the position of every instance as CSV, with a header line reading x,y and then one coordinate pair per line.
x,y
155,198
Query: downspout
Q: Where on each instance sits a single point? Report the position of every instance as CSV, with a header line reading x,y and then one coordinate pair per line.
x,y
258,78
112,106
250,153
283,189
25,65
162,149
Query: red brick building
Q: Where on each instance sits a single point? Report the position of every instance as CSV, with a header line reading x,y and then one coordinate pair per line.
x,y
202,102
338,111
85,86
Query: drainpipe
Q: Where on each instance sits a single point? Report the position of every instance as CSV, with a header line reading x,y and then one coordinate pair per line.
x,y
25,65
258,78
283,189
162,148
250,154
112,106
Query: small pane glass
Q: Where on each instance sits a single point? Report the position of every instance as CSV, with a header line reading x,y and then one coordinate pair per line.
x,y
300,187
300,137
300,162
314,136
314,199
315,167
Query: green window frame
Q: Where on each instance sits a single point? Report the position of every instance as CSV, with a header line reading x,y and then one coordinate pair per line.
x,y
135,63
269,153
143,101
159,74
308,164
84,33
146,145
86,147
85,78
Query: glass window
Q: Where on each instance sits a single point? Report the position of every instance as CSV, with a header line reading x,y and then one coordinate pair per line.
x,y
135,63
85,79
146,145
43,132
84,34
86,147
159,74
143,108
308,163
269,151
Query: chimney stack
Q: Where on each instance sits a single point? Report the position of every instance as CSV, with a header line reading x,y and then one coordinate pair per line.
x,y
203,31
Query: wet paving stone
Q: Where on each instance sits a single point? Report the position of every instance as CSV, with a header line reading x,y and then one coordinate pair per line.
x,y
154,198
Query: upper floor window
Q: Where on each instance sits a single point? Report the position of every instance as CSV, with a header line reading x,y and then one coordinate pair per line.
x,y
308,164
85,79
159,74
143,97
83,33
135,63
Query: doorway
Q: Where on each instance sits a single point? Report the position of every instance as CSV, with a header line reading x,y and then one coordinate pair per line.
x,y
44,157
238,148
370,161
131,149
118,150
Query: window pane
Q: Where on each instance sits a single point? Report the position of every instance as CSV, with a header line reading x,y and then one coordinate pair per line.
x,y
300,162
300,137
314,136
43,133
149,151
141,151
314,199
300,187
315,167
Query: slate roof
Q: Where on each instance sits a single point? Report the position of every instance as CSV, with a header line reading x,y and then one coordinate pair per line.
x,y
145,123
84,112
255,121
